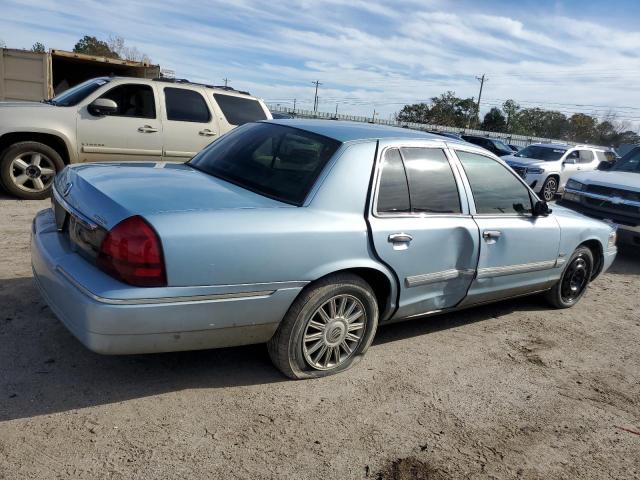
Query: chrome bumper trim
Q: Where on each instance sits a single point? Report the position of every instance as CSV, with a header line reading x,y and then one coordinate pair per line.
x,y
145,301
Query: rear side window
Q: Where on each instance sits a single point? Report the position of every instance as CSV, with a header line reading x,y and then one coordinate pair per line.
x,y
239,110
393,193
601,156
586,156
495,189
432,185
186,106
134,100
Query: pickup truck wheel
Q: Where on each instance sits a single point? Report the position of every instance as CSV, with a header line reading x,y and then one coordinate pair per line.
x,y
27,169
327,329
549,189
574,281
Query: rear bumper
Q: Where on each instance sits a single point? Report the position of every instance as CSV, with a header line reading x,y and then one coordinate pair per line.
x,y
133,322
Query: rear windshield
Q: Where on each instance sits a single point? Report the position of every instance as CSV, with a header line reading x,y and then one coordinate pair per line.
x,y
75,95
239,110
273,160
629,163
548,154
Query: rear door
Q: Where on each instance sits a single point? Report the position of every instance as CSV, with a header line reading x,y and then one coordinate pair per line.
x,y
519,252
421,227
134,132
189,125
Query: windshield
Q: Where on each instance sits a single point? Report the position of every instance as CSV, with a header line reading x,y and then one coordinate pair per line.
x,y
273,160
629,163
548,154
501,145
75,95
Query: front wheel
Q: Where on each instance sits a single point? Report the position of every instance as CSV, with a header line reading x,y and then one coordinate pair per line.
x,y
574,281
328,328
549,189
27,169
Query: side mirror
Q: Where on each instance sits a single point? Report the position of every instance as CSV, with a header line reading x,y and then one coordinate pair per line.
x,y
541,209
102,106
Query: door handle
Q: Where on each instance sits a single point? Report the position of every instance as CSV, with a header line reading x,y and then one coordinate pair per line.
x,y
207,133
400,238
147,129
491,234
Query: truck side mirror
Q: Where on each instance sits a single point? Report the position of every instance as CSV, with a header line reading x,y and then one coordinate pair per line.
x,y
541,209
102,106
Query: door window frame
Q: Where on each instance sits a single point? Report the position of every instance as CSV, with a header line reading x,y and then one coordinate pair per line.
x,y
125,84
462,195
469,192
204,101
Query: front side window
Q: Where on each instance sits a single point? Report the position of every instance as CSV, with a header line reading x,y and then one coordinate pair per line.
x,y
185,106
239,110
495,189
272,160
432,186
585,156
134,100
393,192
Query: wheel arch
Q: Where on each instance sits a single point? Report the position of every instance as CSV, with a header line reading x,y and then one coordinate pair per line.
x,y
57,142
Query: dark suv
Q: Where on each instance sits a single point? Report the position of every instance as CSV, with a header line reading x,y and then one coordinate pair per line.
x,y
494,146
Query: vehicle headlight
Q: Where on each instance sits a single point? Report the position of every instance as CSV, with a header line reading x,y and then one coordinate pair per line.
x,y
535,171
575,185
612,239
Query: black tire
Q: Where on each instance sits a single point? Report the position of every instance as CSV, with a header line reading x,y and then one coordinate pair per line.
x,y
286,345
578,270
549,189
30,190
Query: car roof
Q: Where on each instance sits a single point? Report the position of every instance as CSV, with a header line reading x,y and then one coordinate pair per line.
x,y
177,83
344,131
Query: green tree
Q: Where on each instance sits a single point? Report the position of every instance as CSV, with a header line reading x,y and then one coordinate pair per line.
x,y
416,113
38,47
93,46
582,128
494,121
510,109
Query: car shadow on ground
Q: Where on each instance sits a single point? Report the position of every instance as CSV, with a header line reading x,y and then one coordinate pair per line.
x,y
627,261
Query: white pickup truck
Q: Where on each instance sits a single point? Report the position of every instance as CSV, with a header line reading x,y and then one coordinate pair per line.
x,y
612,195
114,119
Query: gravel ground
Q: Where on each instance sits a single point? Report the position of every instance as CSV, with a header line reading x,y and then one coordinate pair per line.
x,y
511,390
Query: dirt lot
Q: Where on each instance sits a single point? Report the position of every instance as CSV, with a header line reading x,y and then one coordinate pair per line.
x,y
513,390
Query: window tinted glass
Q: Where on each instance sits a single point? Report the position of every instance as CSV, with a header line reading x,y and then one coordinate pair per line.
x,y
432,185
272,160
548,154
239,110
75,95
495,189
586,156
133,100
629,163
393,193
185,106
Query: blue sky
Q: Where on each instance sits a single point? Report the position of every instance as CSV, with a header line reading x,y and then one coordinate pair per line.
x,y
568,55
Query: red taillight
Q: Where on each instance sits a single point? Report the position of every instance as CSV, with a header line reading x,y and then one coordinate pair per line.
x,y
131,252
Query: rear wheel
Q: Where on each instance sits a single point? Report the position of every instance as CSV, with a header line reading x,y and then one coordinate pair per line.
x,y
549,189
328,328
574,281
27,169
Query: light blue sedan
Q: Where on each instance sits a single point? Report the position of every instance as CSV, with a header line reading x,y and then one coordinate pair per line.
x,y
302,234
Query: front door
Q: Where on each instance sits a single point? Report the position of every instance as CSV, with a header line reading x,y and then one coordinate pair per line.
x,y
189,126
133,132
518,251
421,227
570,166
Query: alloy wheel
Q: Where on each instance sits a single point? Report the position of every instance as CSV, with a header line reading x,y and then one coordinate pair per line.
x,y
334,332
550,189
32,172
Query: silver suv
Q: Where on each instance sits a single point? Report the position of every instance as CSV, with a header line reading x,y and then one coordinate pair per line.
x,y
546,167
114,119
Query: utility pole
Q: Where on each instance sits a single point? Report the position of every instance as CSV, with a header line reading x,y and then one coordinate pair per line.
x,y
226,80
481,80
336,110
294,105
315,98
373,118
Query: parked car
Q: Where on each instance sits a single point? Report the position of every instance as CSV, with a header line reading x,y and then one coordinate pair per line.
x,y
304,234
114,119
281,115
546,167
495,146
515,148
455,136
613,196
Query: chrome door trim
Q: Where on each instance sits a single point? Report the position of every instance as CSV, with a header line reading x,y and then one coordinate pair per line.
x,y
121,151
491,272
443,276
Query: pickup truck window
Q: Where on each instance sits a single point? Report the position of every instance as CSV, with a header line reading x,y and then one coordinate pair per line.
x,y
75,95
393,192
273,160
495,189
186,106
239,110
432,186
134,100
